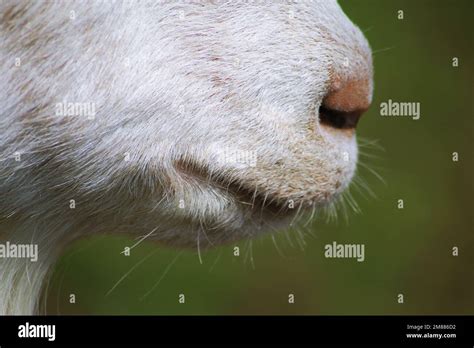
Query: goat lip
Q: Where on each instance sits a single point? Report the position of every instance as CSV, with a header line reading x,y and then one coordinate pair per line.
x,y
257,201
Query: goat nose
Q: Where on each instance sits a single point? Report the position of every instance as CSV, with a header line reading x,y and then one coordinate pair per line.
x,y
345,103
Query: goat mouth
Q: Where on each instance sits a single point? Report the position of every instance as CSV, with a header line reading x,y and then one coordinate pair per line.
x,y
259,201
255,199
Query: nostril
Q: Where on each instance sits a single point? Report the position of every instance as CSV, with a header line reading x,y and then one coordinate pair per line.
x,y
346,102
339,119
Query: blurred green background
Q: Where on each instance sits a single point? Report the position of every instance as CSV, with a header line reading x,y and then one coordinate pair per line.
x,y
407,251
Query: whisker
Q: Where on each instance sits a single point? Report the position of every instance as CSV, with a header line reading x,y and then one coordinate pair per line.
x,y
263,205
276,247
249,253
201,223
382,50
199,248
300,239
368,29
377,175
165,272
141,240
130,271
369,143
215,262
311,216
295,218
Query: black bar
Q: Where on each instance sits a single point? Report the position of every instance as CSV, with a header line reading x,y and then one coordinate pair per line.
x,y
139,330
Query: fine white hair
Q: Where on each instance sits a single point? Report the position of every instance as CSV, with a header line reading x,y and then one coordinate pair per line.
x,y
197,120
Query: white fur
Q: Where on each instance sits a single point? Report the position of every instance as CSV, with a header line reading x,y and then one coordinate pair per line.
x,y
173,83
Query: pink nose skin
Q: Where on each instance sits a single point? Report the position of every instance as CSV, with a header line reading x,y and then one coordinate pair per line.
x,y
344,105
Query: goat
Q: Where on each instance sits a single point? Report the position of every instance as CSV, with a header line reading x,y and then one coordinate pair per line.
x,y
204,122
